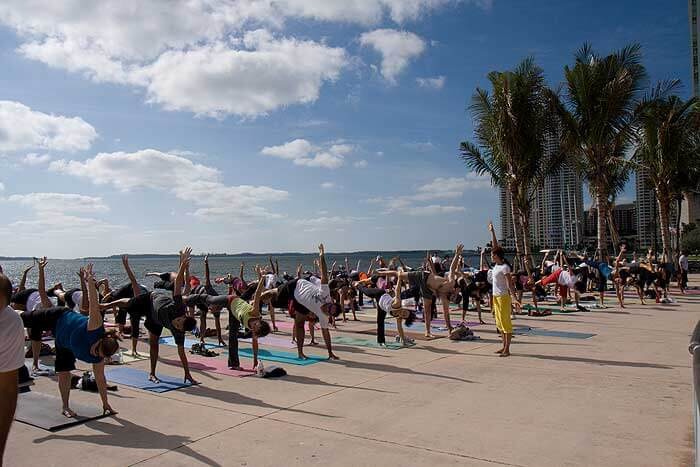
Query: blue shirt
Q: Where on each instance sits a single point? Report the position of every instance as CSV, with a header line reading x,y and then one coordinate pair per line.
x,y
72,334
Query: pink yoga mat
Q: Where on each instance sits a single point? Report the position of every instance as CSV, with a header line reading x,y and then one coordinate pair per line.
x,y
215,365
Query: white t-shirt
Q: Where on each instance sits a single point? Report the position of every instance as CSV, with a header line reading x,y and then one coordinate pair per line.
x,y
500,281
312,297
33,301
270,281
683,260
566,279
11,340
385,302
77,297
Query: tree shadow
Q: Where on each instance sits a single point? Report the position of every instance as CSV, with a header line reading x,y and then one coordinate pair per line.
x,y
394,369
237,398
317,382
130,435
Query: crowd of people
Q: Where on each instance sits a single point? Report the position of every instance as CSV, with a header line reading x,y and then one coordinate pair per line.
x,y
89,322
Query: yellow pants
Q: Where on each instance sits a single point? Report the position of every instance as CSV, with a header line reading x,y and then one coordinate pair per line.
x,y
501,310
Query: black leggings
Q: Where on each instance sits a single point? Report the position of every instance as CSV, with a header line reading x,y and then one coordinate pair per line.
x,y
233,325
375,293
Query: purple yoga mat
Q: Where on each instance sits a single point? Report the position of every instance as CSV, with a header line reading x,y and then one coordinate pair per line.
x,y
212,365
273,341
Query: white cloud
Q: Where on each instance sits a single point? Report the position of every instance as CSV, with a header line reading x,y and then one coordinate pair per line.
x,y
58,223
180,177
421,146
22,128
322,223
2,186
56,203
440,188
304,153
397,48
431,83
327,185
361,164
218,80
36,159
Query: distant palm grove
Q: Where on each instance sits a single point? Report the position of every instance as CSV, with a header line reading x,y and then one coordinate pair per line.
x,y
608,120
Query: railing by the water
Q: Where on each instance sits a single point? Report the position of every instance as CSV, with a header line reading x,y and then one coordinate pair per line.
x,y
694,349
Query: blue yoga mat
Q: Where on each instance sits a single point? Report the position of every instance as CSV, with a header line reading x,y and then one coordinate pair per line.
x,y
139,379
170,340
546,333
279,357
417,326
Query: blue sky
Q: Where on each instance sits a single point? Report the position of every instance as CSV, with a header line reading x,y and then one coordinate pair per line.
x,y
236,125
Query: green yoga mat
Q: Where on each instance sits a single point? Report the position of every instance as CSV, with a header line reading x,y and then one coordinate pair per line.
x,y
280,357
356,342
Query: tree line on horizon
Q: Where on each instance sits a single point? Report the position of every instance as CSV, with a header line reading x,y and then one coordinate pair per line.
x,y
606,120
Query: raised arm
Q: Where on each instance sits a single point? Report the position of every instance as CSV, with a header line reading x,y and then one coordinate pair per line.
x,y
135,288
23,282
84,295
184,264
256,299
429,263
482,259
207,276
45,302
322,264
272,264
186,285
94,317
494,240
454,266
241,272
299,268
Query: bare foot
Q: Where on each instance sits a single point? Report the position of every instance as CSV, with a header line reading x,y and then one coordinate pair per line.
x,y
68,413
153,379
332,357
301,356
505,354
499,351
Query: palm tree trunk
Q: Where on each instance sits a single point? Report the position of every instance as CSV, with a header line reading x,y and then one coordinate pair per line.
x,y
516,225
525,226
664,201
602,202
679,205
614,236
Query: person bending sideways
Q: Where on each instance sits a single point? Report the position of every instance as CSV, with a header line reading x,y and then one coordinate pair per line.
x,y
241,313
501,292
392,304
77,336
33,299
11,358
162,309
215,310
432,286
315,297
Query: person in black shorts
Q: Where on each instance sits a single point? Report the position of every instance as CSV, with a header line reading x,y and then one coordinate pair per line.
x,y
162,309
77,337
215,310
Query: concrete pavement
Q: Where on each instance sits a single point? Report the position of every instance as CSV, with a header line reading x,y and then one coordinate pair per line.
x,y
622,397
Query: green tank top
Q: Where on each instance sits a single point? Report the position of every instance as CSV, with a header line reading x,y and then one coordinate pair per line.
x,y
242,310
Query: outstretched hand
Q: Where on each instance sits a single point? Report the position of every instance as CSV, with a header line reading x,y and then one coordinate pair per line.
x,y
42,262
125,260
490,226
321,249
26,270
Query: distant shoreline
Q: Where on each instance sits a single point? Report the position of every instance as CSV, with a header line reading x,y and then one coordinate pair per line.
x,y
388,254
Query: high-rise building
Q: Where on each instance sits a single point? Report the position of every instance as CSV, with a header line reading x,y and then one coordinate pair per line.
x,y
647,216
693,15
690,209
556,214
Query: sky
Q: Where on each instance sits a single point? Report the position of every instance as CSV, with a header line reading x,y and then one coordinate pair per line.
x,y
268,126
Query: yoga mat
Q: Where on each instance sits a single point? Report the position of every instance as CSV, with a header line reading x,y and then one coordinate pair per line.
x,y
280,357
170,340
546,333
469,324
273,341
289,325
356,342
216,365
139,379
44,411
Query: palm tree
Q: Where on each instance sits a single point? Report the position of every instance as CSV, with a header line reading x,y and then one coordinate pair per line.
x,y
513,125
597,121
667,147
